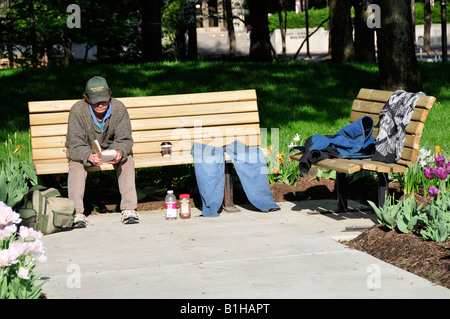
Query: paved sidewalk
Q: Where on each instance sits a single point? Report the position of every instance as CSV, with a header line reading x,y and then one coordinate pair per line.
x,y
289,254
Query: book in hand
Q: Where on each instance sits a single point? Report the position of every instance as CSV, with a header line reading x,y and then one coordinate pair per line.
x,y
106,155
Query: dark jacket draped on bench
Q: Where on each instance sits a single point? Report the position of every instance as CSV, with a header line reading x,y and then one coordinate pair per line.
x,y
353,141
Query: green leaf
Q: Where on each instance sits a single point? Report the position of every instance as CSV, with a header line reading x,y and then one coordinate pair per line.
x,y
3,287
443,232
389,220
402,226
377,211
412,224
3,190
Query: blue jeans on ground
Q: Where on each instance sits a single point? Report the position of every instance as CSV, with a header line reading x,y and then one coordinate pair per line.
x,y
250,166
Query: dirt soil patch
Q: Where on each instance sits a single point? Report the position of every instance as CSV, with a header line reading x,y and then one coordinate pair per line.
x,y
426,259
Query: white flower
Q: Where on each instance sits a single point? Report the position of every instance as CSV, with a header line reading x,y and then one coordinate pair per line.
x,y
8,216
296,138
29,233
8,231
23,273
5,258
17,250
40,258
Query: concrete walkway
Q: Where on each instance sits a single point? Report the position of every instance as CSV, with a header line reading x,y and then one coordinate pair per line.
x,y
289,254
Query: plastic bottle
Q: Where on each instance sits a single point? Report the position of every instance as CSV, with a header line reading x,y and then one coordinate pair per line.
x,y
171,205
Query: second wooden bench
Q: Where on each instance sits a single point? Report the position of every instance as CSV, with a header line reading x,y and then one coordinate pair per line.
x,y
371,102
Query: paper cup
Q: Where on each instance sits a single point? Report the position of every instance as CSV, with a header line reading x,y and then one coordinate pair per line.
x,y
166,149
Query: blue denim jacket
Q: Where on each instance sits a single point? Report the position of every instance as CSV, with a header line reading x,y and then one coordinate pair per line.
x,y
250,166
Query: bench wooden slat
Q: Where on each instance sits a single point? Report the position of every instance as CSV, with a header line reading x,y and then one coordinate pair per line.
x,y
194,98
370,165
405,163
157,124
196,133
49,153
49,118
332,163
48,142
419,114
414,127
51,106
397,168
193,121
182,145
60,166
157,112
48,130
205,133
163,100
411,141
383,96
190,110
339,165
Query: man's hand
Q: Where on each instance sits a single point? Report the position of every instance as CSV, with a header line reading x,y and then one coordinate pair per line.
x,y
118,157
95,159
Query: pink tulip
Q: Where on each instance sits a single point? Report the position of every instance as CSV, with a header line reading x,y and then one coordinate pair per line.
x,y
433,191
440,160
430,172
442,173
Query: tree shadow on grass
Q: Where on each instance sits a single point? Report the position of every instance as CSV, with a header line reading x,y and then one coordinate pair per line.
x,y
315,92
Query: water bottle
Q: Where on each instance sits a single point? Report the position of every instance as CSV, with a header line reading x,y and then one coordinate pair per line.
x,y
171,205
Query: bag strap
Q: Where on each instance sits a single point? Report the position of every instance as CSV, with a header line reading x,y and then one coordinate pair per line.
x,y
45,191
37,187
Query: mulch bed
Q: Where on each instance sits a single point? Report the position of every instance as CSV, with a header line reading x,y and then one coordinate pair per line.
x,y
427,259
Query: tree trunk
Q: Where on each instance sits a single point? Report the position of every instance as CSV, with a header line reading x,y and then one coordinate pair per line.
x,y
427,20
151,30
364,36
341,31
34,44
283,33
205,14
192,34
260,47
180,44
413,19
230,27
397,60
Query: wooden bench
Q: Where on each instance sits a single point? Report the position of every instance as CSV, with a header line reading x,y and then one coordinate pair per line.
x,y
215,118
371,102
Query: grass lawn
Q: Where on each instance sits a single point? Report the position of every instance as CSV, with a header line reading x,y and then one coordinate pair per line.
x,y
296,98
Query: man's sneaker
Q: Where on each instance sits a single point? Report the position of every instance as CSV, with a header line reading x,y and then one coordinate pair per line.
x,y
130,216
80,221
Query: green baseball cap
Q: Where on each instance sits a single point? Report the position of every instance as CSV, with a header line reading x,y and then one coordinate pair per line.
x,y
97,90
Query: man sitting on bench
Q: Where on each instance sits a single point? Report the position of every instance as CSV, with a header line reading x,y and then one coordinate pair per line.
x,y
100,117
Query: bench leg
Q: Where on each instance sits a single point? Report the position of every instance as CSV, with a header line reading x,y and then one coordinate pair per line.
x,y
228,196
383,188
341,190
